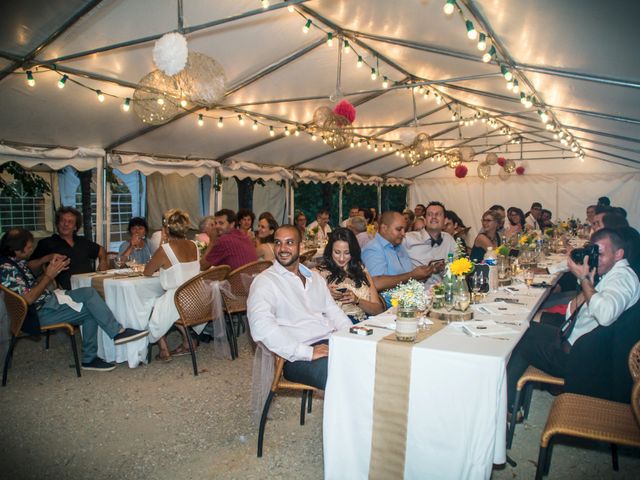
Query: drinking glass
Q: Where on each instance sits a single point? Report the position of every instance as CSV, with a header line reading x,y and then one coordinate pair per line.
x,y
477,280
528,277
120,260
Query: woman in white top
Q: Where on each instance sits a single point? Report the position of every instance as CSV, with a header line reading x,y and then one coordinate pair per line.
x,y
177,259
348,280
266,228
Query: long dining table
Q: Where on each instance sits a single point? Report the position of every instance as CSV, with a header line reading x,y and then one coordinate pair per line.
x,y
131,299
440,416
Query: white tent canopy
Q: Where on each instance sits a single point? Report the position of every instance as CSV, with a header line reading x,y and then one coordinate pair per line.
x,y
575,60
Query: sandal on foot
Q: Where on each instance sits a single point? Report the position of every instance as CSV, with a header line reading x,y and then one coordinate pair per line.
x,y
180,351
160,358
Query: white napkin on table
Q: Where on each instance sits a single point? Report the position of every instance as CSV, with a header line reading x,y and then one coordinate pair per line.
x,y
481,328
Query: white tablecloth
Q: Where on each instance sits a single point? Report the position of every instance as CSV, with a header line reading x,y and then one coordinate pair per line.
x,y
457,400
131,301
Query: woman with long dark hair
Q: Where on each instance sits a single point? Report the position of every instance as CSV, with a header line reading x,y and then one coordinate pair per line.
x,y
488,237
350,284
267,227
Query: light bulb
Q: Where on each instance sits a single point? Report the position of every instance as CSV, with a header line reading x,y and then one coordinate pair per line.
x,y
346,47
360,61
486,58
290,8
438,100
329,39
286,131
375,147
385,83
255,125
126,105
472,34
160,101
351,145
306,27
544,117
271,132
510,85
62,81
265,4
30,80
200,120
368,146
482,42
297,133
528,103
241,120
523,98
561,134
516,87
220,122
183,103
374,75
549,126
506,73
100,96
449,6
453,117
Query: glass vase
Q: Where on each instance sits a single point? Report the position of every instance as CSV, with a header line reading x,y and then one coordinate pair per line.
x,y
462,295
406,323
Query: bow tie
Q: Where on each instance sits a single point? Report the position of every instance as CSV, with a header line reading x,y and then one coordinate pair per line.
x,y
435,242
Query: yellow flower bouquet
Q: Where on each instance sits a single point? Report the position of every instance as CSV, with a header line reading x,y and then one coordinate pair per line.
x,y
461,267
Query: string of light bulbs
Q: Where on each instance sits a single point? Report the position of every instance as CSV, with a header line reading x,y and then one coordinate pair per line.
x,y
513,84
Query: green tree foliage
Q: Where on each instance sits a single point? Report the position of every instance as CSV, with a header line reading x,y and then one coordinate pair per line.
x,y
32,183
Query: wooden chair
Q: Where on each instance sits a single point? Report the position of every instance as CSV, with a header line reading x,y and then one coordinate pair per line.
x,y
280,383
17,311
524,389
594,419
236,302
193,301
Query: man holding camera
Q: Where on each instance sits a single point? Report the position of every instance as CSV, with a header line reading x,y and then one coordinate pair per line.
x,y
607,289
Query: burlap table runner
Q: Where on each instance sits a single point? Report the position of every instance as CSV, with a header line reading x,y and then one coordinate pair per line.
x,y
97,282
391,404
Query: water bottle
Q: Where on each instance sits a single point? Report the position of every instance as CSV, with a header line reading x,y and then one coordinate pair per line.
x,y
490,257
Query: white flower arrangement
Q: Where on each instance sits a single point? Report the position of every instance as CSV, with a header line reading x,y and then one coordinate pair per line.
x,y
202,246
170,53
409,294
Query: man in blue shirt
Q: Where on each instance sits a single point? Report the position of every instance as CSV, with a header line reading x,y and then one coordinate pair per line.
x,y
386,258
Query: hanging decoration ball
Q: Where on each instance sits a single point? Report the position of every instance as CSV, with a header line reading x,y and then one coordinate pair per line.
x,y
491,159
509,166
454,158
504,175
484,170
501,161
170,53
467,153
520,170
333,127
153,87
203,80
345,109
461,171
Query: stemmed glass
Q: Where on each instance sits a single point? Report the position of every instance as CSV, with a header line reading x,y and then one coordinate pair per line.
x,y
528,277
477,280
120,261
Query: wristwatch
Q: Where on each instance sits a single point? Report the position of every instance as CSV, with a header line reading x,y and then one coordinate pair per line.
x,y
584,277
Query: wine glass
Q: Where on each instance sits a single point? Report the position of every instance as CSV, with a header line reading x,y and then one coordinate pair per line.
x,y
120,260
528,277
477,280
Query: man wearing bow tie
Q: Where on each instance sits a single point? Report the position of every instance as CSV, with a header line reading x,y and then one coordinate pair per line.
x,y
431,243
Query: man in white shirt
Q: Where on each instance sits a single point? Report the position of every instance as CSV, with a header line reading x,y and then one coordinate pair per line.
x,y
548,347
353,212
292,313
430,244
320,228
531,221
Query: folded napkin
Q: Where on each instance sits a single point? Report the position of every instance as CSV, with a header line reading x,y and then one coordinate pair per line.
x,y
500,308
64,299
481,328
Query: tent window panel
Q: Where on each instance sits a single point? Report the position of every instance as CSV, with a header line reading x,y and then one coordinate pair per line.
x,y
24,211
312,197
121,213
356,195
78,205
394,198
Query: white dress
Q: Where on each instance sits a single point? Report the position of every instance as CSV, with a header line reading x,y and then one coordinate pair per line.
x,y
164,312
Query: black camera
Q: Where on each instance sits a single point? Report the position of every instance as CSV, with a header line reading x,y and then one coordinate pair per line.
x,y
591,251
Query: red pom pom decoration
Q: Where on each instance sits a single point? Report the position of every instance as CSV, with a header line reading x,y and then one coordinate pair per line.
x,y
461,171
345,109
520,170
501,161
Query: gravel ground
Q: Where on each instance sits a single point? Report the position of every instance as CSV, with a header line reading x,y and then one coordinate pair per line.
x,y
159,421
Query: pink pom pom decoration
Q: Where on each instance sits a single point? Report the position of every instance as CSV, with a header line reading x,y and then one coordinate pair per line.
x,y
520,170
345,109
501,161
461,171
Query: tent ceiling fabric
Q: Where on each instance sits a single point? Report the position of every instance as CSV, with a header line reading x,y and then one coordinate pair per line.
x,y
577,57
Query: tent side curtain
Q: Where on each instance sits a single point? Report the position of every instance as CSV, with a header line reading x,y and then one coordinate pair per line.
x,y
563,195
55,158
253,171
149,165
